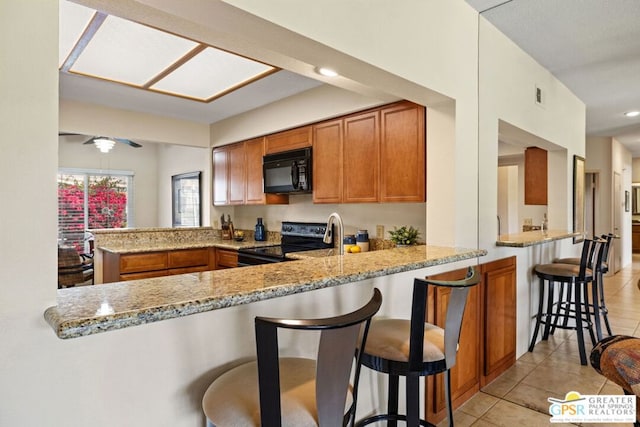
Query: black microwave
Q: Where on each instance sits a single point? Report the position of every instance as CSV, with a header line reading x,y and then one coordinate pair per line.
x,y
287,172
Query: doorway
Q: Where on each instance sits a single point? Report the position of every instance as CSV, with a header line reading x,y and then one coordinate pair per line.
x,y
616,255
591,198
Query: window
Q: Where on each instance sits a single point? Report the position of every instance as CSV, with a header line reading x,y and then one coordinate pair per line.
x,y
92,200
186,200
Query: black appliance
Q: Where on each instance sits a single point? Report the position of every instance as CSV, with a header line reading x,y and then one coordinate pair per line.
x,y
295,237
287,172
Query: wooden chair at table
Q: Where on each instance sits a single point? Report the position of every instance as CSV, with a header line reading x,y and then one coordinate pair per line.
x,y
73,268
293,391
413,348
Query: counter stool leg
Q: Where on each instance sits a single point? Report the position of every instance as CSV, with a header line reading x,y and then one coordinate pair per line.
x,y
549,313
392,402
447,391
596,310
413,400
587,313
559,307
536,328
579,333
603,306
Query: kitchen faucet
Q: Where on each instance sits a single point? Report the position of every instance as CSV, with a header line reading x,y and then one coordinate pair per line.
x,y
335,217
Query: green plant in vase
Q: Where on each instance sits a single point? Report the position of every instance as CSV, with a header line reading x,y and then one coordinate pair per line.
x,y
404,236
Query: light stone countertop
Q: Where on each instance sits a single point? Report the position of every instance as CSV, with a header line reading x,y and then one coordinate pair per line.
x,y
531,238
92,309
136,247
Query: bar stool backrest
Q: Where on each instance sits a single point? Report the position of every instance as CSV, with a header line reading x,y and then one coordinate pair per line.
x,y
605,255
455,309
338,342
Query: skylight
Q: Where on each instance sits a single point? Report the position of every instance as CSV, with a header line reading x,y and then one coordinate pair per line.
x,y
110,48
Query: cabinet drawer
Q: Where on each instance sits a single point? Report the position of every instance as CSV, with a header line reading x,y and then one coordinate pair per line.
x,y
188,258
148,261
226,258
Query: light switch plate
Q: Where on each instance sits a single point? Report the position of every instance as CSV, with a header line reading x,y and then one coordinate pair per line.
x,y
380,231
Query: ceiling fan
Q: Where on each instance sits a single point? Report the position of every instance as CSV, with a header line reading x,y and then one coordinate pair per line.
x,y
103,143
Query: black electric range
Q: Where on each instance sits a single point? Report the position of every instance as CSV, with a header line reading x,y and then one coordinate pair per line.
x,y
295,237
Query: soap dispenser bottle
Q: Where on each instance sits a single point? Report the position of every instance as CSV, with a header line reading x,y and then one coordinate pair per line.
x,y
260,234
544,227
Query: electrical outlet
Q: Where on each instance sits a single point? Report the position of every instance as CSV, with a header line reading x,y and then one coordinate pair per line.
x,y
216,223
528,221
380,231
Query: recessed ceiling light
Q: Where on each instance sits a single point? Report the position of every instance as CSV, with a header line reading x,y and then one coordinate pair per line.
x,y
632,113
327,72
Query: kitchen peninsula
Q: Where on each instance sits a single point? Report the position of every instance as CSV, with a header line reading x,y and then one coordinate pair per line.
x,y
90,310
531,238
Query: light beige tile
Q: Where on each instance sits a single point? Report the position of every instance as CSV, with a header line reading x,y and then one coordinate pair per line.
x,y
554,379
500,386
509,414
460,419
530,397
478,404
518,371
533,357
519,396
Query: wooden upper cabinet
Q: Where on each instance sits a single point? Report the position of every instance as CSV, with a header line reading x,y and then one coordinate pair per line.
x,y
535,176
327,162
220,176
288,140
361,160
236,174
402,153
372,156
254,151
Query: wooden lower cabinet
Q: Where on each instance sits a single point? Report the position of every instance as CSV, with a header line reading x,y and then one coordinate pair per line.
x,y
499,318
487,338
226,258
145,265
635,238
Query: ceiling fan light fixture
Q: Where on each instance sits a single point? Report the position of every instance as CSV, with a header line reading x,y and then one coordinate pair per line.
x,y
634,113
103,144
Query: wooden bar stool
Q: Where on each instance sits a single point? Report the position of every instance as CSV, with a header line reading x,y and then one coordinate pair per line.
x,y
572,299
294,391
413,348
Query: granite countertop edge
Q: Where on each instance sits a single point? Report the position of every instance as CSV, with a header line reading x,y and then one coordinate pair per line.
x,y
155,247
66,328
532,238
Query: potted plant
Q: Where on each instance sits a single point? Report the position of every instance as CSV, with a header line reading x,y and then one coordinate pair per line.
x,y
404,236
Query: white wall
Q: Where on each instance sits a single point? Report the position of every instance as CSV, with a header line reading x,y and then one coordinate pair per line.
x,y
507,79
143,162
607,156
598,160
156,374
92,119
174,160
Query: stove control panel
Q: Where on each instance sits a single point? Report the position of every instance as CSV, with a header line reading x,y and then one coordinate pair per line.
x,y
303,229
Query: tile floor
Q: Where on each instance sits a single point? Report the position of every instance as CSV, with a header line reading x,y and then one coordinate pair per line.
x,y
519,396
